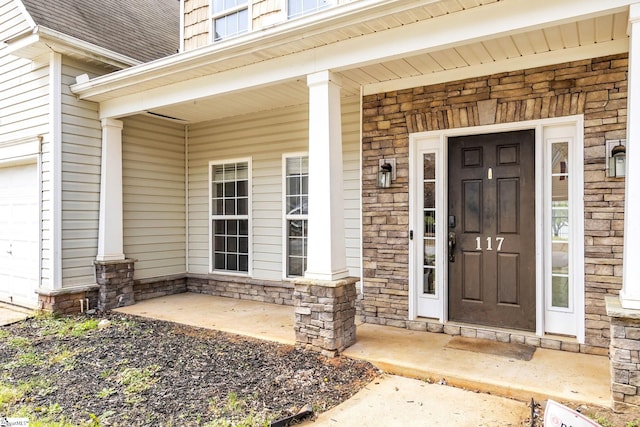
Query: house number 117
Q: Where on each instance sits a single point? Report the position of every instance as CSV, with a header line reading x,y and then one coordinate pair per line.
x,y
499,241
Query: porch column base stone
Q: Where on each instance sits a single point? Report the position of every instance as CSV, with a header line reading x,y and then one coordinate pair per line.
x,y
115,281
624,355
325,313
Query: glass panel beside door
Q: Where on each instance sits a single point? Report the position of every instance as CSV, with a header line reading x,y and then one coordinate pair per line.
x,y
429,227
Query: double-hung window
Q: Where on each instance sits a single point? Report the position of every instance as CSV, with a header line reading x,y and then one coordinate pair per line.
x,y
230,18
298,8
230,207
296,172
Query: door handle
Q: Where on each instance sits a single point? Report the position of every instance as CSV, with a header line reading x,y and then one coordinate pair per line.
x,y
452,246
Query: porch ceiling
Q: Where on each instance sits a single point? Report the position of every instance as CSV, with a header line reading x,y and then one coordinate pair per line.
x,y
597,32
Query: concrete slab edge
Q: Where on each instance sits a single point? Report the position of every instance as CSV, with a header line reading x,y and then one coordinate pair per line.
x,y
521,394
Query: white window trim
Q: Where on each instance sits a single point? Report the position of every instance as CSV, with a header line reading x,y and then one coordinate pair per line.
x,y
432,303
212,270
330,4
544,130
226,12
285,252
567,320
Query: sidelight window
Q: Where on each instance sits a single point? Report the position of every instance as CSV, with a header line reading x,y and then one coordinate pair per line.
x,y
560,225
429,230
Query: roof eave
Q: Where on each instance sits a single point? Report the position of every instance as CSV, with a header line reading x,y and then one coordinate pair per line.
x,y
277,34
42,40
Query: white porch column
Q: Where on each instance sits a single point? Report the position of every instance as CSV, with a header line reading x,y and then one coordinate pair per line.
x,y
630,293
110,222
326,253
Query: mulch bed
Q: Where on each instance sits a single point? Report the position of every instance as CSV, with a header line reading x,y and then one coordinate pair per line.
x,y
194,376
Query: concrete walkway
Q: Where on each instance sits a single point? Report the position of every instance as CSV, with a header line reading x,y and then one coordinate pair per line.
x,y
559,375
398,401
11,314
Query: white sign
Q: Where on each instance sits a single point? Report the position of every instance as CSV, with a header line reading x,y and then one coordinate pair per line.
x,y
6,422
557,415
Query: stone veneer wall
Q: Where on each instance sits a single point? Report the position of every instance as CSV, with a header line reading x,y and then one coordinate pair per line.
x,y
68,301
325,315
144,289
115,281
242,288
596,88
624,355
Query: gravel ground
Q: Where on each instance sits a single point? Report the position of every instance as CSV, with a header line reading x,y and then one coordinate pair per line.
x,y
145,372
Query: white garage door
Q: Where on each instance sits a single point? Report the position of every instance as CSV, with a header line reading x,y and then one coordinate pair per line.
x,y
19,234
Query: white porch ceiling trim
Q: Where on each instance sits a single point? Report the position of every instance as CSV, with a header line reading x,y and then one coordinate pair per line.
x,y
481,23
513,64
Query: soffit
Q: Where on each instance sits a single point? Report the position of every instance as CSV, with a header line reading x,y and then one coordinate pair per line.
x,y
561,38
327,27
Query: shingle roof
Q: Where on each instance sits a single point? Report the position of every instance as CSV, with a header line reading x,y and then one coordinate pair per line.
x,y
141,29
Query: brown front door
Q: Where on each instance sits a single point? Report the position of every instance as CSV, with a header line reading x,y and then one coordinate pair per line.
x,y
492,229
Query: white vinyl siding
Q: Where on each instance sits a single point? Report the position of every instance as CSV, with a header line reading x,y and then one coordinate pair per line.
x,y
81,152
24,113
154,196
352,173
264,137
23,98
12,20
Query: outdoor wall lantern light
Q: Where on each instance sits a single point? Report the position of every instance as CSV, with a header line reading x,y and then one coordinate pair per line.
x,y
385,173
617,153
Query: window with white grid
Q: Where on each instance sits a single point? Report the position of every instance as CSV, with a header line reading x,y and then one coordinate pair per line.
x,y
230,207
297,8
230,18
296,192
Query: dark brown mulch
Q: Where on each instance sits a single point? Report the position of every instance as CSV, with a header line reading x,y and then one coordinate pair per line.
x,y
196,376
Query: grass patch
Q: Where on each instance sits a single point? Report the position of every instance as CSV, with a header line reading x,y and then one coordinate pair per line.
x,y
66,326
9,396
105,392
137,381
4,334
29,358
19,342
234,412
12,394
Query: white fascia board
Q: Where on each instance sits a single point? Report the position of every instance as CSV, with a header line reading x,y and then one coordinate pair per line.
x,y
472,25
25,13
252,42
613,47
43,40
81,47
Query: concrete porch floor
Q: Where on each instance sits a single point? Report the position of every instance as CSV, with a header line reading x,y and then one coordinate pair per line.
x,y
550,374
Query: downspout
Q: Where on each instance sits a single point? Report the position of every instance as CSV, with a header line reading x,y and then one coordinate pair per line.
x,y
361,283
55,140
186,197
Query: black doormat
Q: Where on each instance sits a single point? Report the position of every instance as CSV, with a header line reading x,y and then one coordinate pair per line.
x,y
508,350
